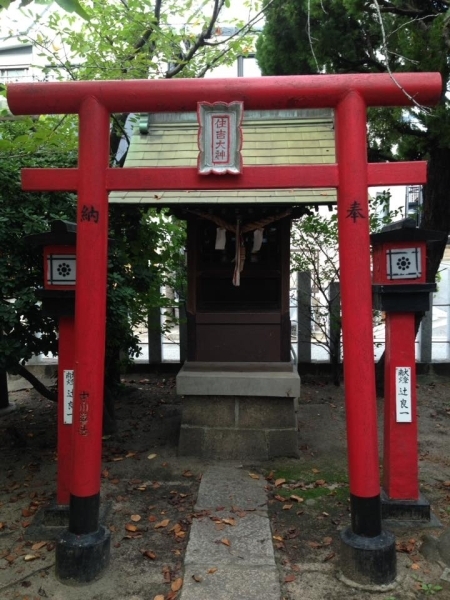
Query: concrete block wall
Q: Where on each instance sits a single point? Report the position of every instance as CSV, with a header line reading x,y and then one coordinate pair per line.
x,y
238,427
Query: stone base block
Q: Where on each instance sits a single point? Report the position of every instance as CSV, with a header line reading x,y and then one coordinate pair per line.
x,y
368,561
405,510
238,427
238,410
81,559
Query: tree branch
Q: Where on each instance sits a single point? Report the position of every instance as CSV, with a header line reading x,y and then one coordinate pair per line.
x,y
38,385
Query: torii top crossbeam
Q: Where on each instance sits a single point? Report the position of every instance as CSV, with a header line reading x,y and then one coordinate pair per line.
x,y
349,95
257,93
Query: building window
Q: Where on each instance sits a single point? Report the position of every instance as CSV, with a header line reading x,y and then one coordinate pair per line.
x,y
14,75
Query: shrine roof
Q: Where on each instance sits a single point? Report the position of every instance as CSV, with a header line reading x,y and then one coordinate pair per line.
x,y
275,137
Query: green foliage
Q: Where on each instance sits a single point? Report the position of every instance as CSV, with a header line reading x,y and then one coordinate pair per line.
x,y
118,39
67,5
316,237
346,36
26,331
355,36
428,589
135,40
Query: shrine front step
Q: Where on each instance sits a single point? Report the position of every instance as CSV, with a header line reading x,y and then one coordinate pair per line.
x,y
232,414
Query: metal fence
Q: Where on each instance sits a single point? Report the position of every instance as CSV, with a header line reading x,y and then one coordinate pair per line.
x,y
311,342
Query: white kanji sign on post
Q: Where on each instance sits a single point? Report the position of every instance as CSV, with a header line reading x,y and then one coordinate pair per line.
x,y
68,396
403,394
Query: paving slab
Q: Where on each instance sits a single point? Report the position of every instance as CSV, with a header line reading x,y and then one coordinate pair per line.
x,y
230,486
248,542
230,551
231,583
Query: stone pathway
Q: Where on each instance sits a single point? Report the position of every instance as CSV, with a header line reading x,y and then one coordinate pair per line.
x,y
236,561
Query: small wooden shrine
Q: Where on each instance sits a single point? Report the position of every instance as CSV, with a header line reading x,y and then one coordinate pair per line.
x,y
239,383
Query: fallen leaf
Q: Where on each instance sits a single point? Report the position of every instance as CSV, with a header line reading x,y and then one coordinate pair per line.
x,y
279,482
130,527
177,584
197,578
29,557
151,456
415,566
296,498
327,541
254,475
225,541
280,498
315,470
11,558
159,597
163,523
135,518
229,521
278,538
212,570
314,544
289,578
149,554
188,474
287,507
38,545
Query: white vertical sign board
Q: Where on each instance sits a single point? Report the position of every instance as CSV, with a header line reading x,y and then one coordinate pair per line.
x,y
403,394
68,396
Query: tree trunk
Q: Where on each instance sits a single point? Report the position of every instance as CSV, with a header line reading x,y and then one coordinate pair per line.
x,y
436,206
4,399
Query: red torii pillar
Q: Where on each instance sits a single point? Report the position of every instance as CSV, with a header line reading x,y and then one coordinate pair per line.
x,y
368,552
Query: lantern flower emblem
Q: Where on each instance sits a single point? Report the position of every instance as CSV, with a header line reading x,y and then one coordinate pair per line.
x,y
403,263
64,269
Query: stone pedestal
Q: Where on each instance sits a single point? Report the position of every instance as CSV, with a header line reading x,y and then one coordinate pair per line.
x,y
238,410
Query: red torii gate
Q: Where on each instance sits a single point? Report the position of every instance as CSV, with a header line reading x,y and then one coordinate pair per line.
x,y
349,95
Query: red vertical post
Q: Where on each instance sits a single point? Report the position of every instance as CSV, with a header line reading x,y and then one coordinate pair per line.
x,y
90,315
356,291
400,466
83,551
368,552
65,362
